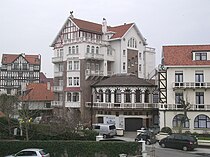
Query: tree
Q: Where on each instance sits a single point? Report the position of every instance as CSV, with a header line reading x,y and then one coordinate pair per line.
x,y
8,104
183,118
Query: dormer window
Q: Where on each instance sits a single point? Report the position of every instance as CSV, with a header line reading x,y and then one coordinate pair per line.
x,y
200,56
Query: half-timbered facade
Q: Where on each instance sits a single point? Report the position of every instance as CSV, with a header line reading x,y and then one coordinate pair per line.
x,y
18,69
87,52
185,76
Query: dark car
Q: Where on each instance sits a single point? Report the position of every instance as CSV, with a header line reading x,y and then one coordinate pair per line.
x,y
179,141
147,136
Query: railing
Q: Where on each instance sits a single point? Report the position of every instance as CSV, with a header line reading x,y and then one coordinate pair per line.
x,y
57,103
57,59
89,72
58,74
83,39
72,104
122,105
191,84
193,107
58,88
94,56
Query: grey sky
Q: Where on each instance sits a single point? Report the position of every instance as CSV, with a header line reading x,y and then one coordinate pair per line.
x,y
30,26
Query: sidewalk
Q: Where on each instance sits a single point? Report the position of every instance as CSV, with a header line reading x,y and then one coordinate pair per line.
x,y
203,143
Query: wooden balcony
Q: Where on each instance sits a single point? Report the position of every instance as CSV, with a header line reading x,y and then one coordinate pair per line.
x,y
184,85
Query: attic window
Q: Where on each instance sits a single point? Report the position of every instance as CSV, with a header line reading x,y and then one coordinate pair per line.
x,y
200,56
132,43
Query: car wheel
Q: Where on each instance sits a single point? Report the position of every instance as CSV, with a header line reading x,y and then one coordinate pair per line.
x,y
185,148
163,145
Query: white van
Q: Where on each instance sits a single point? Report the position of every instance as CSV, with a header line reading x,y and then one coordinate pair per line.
x,y
106,130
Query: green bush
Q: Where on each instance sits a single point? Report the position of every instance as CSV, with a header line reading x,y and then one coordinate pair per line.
x,y
73,148
166,130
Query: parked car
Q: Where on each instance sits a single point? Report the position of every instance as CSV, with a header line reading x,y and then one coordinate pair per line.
x,y
147,136
35,152
179,141
106,130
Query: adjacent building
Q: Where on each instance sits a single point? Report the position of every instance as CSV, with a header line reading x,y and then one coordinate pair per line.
x,y
86,53
18,69
185,75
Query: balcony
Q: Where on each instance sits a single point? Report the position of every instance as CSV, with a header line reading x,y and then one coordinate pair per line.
x,y
184,85
57,59
94,56
193,107
58,74
83,39
58,88
72,104
123,105
57,104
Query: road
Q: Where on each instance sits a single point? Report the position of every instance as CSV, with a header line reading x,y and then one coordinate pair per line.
x,y
157,151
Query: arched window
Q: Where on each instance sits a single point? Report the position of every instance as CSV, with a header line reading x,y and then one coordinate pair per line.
x,y
97,50
108,95
73,49
69,50
88,48
117,96
92,49
178,119
127,95
138,96
77,49
202,121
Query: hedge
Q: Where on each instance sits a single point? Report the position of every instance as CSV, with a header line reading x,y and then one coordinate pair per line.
x,y
73,148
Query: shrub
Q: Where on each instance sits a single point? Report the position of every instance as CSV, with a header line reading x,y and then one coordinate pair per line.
x,y
166,130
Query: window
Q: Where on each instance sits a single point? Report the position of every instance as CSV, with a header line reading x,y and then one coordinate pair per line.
x,y
108,95
117,95
200,99
76,65
69,50
73,49
123,66
139,67
178,78
138,96
92,49
201,56
132,43
75,97
88,48
97,50
123,52
76,81
127,95
70,81
70,65
199,79
24,66
69,95
181,119
77,49
202,121
101,98
178,98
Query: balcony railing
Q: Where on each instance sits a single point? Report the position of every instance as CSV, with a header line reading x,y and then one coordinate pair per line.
x,y
89,72
57,59
122,105
191,84
94,56
58,88
83,39
193,107
57,103
72,104
58,74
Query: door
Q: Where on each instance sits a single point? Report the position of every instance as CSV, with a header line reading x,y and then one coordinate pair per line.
x,y
133,124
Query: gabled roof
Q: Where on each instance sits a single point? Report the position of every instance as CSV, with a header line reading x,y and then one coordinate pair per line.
x,y
182,55
38,92
10,58
119,31
124,80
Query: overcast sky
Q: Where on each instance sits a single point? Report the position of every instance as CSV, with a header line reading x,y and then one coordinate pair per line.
x,y
30,26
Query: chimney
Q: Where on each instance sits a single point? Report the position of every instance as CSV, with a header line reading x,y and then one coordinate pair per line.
x,y
104,26
48,85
